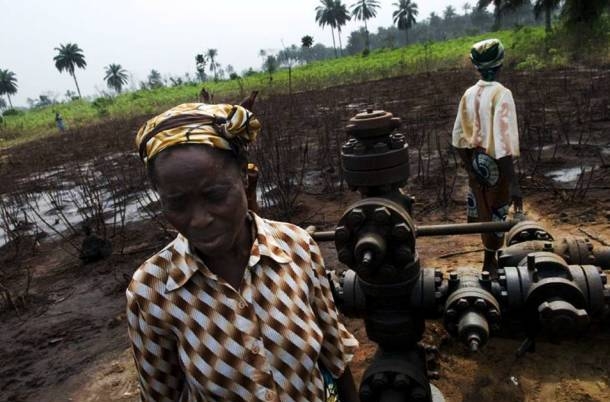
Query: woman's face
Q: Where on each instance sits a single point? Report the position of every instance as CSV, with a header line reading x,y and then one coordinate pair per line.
x,y
203,196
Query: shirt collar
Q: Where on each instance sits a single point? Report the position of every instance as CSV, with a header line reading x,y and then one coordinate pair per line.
x,y
483,83
184,262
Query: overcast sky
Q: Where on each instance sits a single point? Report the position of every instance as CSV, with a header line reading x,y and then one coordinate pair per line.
x,y
161,34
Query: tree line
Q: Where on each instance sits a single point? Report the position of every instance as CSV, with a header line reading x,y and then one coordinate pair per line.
x,y
578,16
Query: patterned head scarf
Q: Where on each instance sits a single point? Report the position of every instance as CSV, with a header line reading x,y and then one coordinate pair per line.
x,y
223,126
487,54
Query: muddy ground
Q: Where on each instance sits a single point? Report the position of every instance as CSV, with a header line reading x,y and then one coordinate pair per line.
x,y
66,339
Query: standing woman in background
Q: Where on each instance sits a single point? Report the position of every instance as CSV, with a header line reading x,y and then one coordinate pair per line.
x,y
486,137
237,307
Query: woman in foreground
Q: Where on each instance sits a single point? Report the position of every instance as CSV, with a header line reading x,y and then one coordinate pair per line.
x,y
237,307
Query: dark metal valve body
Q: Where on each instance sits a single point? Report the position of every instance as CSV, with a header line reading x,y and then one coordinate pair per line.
x,y
545,286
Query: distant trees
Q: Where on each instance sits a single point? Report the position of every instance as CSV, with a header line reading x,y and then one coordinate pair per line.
x,y
306,44
449,12
404,16
154,79
2,104
325,17
200,63
70,56
583,13
364,10
334,14
546,7
8,84
500,7
270,66
43,100
211,55
341,18
307,41
116,77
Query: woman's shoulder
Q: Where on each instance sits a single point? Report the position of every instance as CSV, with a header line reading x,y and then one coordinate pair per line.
x,y
282,230
287,239
156,268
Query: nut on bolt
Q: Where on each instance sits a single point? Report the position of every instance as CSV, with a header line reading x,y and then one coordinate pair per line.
x,y
379,381
382,215
347,148
401,231
341,233
401,381
480,303
397,141
462,303
355,217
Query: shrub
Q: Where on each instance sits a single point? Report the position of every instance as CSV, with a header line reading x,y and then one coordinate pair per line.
x,y
101,105
12,112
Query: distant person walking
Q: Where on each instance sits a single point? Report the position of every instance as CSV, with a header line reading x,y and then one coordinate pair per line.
x,y
486,137
59,122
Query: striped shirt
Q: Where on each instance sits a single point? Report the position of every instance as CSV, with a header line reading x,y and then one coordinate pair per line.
x,y
196,338
487,119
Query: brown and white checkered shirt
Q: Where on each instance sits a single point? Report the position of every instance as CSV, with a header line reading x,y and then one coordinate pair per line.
x,y
196,338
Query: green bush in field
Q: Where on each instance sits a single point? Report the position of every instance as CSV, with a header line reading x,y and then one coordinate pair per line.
x,y
102,104
12,112
527,48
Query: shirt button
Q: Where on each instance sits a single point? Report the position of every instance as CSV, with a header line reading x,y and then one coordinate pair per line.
x,y
269,395
242,304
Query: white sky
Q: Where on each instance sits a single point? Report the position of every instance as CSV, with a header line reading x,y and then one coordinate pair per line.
x,y
160,34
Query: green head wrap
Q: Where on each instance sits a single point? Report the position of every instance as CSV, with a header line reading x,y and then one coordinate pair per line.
x,y
487,54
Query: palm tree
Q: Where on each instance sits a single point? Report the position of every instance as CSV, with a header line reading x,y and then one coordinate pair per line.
x,y
211,53
499,7
200,62
404,16
116,77
364,10
325,16
307,41
583,13
8,84
68,57
546,7
341,17
270,66
449,13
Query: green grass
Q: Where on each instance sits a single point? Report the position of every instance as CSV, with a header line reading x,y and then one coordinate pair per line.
x,y
526,48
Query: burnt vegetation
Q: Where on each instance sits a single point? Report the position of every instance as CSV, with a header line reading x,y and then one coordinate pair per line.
x,y
90,183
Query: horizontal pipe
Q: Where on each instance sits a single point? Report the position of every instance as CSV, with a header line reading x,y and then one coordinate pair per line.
x,y
440,230
463,228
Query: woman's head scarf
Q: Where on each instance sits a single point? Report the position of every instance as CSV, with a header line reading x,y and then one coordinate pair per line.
x,y
223,126
487,54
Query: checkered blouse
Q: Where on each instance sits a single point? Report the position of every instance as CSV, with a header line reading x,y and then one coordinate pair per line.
x,y
196,338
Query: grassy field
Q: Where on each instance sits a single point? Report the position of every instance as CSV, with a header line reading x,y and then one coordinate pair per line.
x,y
525,47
